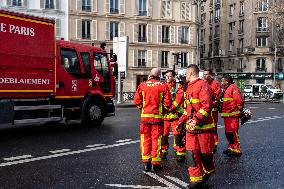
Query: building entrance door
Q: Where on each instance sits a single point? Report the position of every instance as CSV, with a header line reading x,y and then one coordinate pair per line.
x,y
140,79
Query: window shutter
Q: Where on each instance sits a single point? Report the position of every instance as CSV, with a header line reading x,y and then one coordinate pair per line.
x,y
135,33
79,5
149,8
107,37
79,28
94,5
190,36
188,61
107,6
94,32
149,33
159,33
121,6
185,11
163,9
172,59
169,9
57,4
149,58
159,59
178,34
121,29
58,28
135,58
25,3
136,8
172,34
42,4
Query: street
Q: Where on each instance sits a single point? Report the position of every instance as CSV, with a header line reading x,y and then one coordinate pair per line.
x,y
71,156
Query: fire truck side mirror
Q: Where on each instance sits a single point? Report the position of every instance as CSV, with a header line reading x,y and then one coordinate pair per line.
x,y
114,57
115,70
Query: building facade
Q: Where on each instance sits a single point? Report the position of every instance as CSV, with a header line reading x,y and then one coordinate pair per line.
x,y
238,37
55,9
155,28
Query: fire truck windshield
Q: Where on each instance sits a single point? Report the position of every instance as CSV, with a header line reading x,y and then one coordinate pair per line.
x,y
101,64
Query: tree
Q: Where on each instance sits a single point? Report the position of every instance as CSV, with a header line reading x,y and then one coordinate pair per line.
x,y
276,12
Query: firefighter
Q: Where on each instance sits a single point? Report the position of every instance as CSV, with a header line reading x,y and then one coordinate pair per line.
x,y
232,105
199,128
216,91
171,117
151,97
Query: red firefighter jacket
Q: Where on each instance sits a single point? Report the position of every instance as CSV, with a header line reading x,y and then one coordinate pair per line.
x,y
198,106
232,102
152,97
216,91
177,93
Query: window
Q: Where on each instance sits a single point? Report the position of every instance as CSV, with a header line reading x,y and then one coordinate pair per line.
x,y
184,35
262,5
261,24
86,5
113,6
231,27
142,33
87,64
142,8
211,17
217,14
165,56
241,45
86,29
166,8
231,45
242,8
49,4
183,59
141,58
261,41
217,31
260,64
241,29
280,65
113,30
232,9
165,34
70,61
17,3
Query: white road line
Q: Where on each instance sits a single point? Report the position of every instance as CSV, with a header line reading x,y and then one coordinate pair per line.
x,y
253,107
66,153
59,151
161,180
271,108
136,186
125,140
94,145
220,126
17,157
178,181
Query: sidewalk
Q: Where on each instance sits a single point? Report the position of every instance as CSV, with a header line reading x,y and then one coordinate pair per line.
x,y
124,105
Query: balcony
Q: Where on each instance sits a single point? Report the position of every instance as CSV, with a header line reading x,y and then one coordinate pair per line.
x,y
142,39
260,69
165,40
210,54
241,14
185,41
142,13
86,8
219,70
216,35
217,19
240,51
248,50
113,11
240,32
262,30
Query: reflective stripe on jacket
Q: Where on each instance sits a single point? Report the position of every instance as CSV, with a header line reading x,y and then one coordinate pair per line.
x,y
232,102
152,97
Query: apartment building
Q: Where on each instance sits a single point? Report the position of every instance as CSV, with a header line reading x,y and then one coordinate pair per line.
x,y
55,9
155,30
237,37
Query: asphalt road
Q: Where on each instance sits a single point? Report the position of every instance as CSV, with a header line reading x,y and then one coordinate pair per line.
x,y
71,156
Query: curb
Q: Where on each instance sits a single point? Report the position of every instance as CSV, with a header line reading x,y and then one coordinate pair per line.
x,y
125,105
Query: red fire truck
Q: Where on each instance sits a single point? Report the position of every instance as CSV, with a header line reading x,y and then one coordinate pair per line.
x,y
47,80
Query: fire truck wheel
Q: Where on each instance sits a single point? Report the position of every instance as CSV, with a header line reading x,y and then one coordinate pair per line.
x,y
94,114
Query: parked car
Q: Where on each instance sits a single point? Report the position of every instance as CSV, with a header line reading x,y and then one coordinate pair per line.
x,y
262,91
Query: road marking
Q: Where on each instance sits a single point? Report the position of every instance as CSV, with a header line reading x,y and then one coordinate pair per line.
x,y
271,108
178,181
161,180
125,140
136,186
253,107
17,157
66,153
94,145
59,151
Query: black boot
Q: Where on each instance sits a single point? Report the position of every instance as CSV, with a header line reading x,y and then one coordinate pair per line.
x,y
197,185
164,155
180,158
156,168
215,148
147,166
232,153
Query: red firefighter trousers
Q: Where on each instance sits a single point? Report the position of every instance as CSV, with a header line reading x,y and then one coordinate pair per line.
x,y
231,130
215,120
178,145
150,142
200,157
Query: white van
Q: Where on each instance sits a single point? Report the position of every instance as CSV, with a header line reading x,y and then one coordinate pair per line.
x,y
262,90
